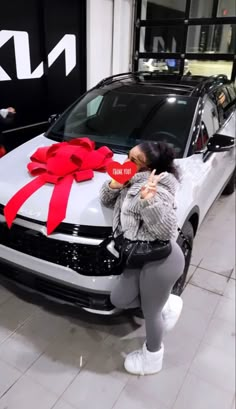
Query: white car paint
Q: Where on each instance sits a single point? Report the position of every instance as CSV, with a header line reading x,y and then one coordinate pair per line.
x,y
200,185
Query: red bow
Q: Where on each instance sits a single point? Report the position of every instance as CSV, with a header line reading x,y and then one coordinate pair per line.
x,y
2,151
59,164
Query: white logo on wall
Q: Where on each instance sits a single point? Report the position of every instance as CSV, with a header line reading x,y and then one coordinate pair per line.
x,y
22,55
159,45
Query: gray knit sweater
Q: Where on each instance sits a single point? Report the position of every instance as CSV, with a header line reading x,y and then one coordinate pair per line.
x,y
141,219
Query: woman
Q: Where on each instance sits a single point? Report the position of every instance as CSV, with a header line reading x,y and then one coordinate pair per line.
x,y
144,209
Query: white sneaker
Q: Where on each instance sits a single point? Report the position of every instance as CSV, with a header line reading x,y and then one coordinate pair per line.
x,y
171,311
144,362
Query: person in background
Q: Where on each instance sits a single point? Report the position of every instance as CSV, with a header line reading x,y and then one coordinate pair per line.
x,y
5,113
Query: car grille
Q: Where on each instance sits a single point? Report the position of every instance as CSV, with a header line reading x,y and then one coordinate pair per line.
x,y
75,230
85,259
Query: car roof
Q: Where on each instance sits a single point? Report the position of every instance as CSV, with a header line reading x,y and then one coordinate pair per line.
x,y
163,84
148,88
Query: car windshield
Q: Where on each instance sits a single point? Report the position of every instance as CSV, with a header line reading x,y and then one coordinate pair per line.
x,y
121,120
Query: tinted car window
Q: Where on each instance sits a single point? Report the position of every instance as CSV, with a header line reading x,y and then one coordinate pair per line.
x,y
223,97
210,118
232,92
202,139
224,101
123,119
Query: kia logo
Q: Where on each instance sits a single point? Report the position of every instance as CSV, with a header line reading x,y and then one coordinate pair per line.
x,y
22,55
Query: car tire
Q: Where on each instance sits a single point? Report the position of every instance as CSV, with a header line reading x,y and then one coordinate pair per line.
x,y
230,187
189,234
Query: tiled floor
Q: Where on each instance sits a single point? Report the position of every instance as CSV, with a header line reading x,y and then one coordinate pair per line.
x,y
56,357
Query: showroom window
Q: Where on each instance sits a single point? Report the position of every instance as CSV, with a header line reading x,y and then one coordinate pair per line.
x,y
208,67
226,8
155,9
166,39
203,8
211,39
186,36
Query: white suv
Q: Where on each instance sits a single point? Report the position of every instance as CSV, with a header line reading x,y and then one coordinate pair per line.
x,y
194,114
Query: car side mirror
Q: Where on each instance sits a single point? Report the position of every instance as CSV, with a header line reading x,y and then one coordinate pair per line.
x,y
53,118
220,143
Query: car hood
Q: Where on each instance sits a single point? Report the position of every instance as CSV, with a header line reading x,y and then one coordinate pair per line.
x,y
83,205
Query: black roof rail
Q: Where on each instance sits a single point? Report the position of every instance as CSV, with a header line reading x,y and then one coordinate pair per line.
x,y
198,89
171,85
174,87
117,77
209,82
130,74
138,76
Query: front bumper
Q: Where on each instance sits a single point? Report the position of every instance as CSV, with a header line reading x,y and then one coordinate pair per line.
x,y
57,282
59,249
94,302
64,267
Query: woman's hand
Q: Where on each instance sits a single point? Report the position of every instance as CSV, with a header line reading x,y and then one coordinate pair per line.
x,y
149,190
11,110
115,185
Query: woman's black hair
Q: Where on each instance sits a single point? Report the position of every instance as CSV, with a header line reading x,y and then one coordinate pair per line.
x,y
160,156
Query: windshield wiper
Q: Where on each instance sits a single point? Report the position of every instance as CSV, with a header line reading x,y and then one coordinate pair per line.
x,y
113,148
119,151
56,136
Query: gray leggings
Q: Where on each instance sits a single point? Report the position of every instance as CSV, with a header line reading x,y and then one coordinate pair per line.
x,y
149,288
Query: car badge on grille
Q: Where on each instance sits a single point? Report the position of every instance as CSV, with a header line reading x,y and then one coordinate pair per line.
x,y
29,213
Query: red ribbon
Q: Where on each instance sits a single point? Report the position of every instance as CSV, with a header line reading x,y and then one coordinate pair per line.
x,y
2,151
59,164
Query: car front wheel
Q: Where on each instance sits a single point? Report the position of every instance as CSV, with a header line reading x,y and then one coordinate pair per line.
x,y
189,234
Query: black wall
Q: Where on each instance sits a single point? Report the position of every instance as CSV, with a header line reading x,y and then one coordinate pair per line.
x,y
46,22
